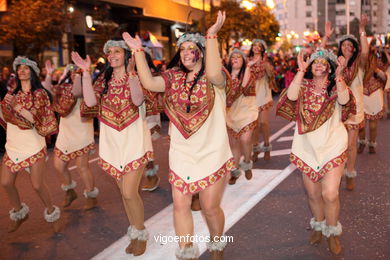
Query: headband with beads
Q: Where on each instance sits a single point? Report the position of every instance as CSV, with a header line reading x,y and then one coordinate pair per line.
x,y
323,54
347,37
192,37
260,41
237,51
111,43
26,61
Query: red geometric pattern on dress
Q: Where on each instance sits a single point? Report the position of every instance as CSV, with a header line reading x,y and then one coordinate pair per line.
x,y
63,100
243,130
372,85
236,89
131,166
15,167
258,69
202,184
176,100
266,106
116,108
317,175
350,73
73,155
154,102
38,104
377,116
155,129
355,126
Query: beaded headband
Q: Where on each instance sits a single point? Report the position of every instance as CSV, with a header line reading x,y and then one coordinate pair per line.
x,y
323,54
192,37
260,41
237,51
26,61
347,37
112,43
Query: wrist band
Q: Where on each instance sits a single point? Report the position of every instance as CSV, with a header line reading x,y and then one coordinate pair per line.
x,y
363,34
87,70
211,36
301,70
138,50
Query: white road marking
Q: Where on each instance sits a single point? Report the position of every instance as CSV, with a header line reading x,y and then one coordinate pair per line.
x,y
90,161
238,199
285,138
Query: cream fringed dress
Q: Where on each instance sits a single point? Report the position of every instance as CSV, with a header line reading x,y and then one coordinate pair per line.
x,y
320,139
26,141
75,137
242,111
262,86
125,144
374,97
199,153
353,77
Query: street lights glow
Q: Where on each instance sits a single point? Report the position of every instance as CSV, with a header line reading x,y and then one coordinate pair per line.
x,y
270,4
248,5
71,9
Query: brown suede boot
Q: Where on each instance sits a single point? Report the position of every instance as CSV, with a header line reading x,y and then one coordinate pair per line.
x,y
362,145
54,218
216,249
317,227
129,248
333,234
151,183
350,183
247,168
256,151
235,174
138,242
267,152
91,198
195,204
371,147
18,217
334,244
70,194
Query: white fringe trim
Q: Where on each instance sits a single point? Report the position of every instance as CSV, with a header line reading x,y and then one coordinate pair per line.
x,y
317,225
362,141
216,246
236,172
129,229
332,230
54,216
152,172
91,194
139,234
266,148
72,185
246,166
18,215
351,174
188,252
371,144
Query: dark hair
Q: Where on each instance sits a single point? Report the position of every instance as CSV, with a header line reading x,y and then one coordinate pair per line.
x,y
331,75
355,53
242,70
66,79
175,62
251,53
108,70
34,80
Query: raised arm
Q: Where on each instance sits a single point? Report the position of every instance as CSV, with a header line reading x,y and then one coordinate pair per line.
x,y
88,93
137,95
363,41
342,89
293,89
77,90
247,74
49,71
213,59
328,33
156,84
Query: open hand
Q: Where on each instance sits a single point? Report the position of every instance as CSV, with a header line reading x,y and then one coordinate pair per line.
x,y
303,63
214,29
84,64
341,65
133,43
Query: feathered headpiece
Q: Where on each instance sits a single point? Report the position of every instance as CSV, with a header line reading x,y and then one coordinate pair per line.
x,y
347,37
260,41
112,43
192,37
237,51
26,61
323,54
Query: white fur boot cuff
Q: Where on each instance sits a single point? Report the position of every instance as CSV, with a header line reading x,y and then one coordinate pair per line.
x,y
68,187
332,230
217,246
153,171
351,174
54,216
139,234
187,252
246,166
91,194
317,225
20,214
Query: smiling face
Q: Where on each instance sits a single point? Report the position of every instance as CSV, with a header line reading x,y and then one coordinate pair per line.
x,y
257,48
236,61
190,55
320,67
24,72
116,56
347,48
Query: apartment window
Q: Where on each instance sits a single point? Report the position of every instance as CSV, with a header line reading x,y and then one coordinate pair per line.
x,y
308,14
388,11
340,12
351,13
310,26
340,1
308,2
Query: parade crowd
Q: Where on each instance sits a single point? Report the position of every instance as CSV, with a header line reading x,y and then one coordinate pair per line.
x,y
219,117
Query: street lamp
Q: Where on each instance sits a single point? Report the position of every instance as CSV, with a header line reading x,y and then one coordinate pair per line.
x,y
270,4
248,5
